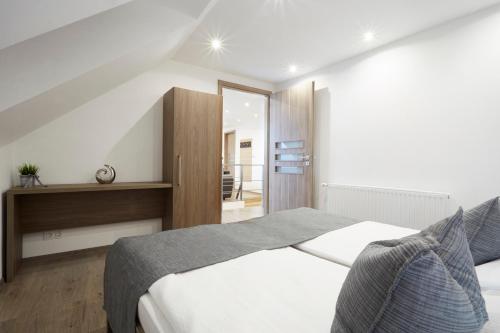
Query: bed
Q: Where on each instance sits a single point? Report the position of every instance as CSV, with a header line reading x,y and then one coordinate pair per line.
x,y
287,289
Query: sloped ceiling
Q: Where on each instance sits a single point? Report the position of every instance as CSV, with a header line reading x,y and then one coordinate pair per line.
x,y
56,55
24,19
262,38
47,75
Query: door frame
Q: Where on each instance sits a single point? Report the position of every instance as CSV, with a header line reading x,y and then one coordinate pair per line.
x,y
267,93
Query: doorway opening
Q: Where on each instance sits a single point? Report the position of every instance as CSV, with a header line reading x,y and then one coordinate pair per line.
x,y
245,152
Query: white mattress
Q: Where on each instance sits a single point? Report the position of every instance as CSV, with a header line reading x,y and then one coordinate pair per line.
x,y
282,290
344,245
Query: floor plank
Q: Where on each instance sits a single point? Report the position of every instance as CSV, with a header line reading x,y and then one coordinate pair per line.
x,y
61,293
242,214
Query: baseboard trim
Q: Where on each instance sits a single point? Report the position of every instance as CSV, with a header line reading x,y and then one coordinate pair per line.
x,y
67,254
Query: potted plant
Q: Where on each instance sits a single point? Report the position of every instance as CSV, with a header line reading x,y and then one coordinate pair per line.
x,y
28,173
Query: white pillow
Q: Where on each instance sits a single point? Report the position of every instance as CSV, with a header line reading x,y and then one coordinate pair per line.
x,y
343,246
489,275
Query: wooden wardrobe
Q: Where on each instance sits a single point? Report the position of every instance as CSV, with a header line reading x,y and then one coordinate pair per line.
x,y
192,157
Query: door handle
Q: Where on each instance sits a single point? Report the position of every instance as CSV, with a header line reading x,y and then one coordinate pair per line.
x,y
307,160
179,171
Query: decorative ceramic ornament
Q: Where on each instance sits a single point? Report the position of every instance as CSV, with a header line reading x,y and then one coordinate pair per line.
x,y
105,175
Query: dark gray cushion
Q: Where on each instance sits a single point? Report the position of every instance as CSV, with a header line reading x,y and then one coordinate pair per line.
x,y
421,283
482,225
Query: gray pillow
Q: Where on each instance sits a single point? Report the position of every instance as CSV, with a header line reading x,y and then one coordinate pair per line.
x,y
421,283
482,225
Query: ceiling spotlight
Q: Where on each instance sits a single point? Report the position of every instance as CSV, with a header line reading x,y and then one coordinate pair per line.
x,y
238,120
227,111
256,115
292,69
247,104
216,44
368,36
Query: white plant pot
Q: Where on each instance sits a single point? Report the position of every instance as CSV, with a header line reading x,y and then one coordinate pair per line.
x,y
27,180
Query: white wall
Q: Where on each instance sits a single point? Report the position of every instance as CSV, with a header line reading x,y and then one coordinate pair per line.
x,y
422,113
5,184
122,127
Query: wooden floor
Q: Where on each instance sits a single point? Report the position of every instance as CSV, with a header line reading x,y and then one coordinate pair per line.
x,y
63,292
56,294
241,214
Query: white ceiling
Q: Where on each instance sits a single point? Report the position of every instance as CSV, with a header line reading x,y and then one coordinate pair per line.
x,y
58,54
193,8
24,19
52,58
263,37
53,72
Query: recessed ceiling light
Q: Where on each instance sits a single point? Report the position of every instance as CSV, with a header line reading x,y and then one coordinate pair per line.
x,y
256,115
216,44
238,120
292,69
227,111
247,104
368,36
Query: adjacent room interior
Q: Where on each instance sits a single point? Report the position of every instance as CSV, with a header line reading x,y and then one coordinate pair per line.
x,y
244,155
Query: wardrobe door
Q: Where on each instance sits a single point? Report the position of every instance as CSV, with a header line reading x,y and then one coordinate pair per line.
x,y
197,197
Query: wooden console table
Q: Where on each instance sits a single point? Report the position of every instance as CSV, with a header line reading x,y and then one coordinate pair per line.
x,y
77,205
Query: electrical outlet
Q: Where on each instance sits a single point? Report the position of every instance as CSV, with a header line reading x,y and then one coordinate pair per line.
x,y
48,235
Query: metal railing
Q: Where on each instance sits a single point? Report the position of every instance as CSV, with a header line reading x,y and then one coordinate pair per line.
x,y
241,183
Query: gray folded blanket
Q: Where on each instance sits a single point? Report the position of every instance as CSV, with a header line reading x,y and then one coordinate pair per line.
x,y
133,264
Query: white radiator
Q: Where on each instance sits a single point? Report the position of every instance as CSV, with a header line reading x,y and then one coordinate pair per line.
x,y
411,209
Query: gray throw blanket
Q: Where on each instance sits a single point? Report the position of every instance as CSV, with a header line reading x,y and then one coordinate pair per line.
x,y
133,264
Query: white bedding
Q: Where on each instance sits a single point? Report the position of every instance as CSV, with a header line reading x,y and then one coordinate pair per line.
x,y
282,290
492,300
344,245
153,320
150,316
489,275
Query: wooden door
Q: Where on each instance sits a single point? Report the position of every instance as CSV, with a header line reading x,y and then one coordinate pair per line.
x,y
291,124
197,151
